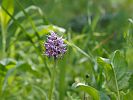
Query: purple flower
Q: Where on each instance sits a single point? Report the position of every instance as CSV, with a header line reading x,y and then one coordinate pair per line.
x,y
54,46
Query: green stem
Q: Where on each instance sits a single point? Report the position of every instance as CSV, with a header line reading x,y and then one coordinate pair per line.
x,y
0,87
118,93
52,81
3,40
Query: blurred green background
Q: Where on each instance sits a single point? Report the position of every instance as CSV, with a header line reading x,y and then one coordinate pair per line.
x,y
92,28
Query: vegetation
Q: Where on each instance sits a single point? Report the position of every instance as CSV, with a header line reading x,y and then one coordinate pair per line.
x,y
98,63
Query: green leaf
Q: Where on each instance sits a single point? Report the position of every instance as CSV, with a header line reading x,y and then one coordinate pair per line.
x,y
44,29
7,61
117,66
130,20
120,66
4,17
40,90
131,82
105,64
129,95
20,66
8,74
3,70
104,96
88,89
80,50
6,64
117,75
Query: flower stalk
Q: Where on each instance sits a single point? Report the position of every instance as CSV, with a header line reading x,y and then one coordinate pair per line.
x,y
56,48
52,80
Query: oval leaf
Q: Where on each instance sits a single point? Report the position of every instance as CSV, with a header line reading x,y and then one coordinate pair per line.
x,y
88,89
